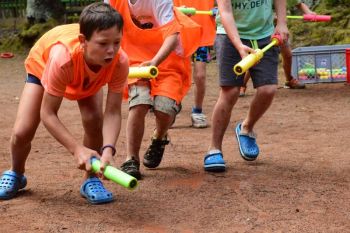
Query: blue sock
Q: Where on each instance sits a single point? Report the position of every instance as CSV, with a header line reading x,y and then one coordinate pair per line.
x,y
196,110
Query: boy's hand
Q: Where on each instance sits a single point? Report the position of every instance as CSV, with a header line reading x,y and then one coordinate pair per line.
x,y
244,50
188,14
215,11
106,159
83,156
282,30
147,63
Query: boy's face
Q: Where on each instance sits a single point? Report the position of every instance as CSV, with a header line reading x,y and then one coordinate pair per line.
x,y
102,46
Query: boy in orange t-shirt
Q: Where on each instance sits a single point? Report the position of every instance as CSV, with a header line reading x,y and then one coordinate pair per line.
x,y
73,61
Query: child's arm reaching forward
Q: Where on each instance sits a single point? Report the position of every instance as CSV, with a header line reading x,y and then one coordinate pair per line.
x,y
163,14
305,9
49,109
112,118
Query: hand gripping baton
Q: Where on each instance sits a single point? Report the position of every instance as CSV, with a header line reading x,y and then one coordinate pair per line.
x,y
114,174
250,60
311,17
148,72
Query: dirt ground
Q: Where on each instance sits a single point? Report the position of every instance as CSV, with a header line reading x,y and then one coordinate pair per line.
x,y
299,183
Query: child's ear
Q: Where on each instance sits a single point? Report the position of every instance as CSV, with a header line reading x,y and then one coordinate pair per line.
x,y
82,39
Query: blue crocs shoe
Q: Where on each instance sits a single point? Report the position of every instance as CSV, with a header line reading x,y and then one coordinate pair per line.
x,y
214,162
94,191
247,144
10,184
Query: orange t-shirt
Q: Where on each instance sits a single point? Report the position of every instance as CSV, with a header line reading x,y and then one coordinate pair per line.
x,y
57,60
174,79
206,21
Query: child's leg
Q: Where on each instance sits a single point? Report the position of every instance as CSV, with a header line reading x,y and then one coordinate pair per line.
x,y
200,58
230,84
286,53
135,129
264,77
243,88
260,103
227,56
199,75
92,121
222,114
165,109
140,102
246,79
91,109
27,121
163,123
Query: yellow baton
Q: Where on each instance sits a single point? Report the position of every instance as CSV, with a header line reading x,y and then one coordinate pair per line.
x,y
148,72
250,60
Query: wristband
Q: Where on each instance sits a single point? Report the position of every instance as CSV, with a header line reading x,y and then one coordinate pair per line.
x,y
108,146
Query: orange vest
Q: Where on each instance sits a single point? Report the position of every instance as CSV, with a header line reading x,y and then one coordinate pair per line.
x,y
68,36
207,22
174,79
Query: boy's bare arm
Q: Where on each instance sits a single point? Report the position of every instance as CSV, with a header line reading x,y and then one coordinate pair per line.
x,y
112,118
304,8
228,21
112,121
281,13
49,116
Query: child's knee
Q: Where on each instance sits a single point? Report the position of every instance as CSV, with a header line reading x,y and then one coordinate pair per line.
x,y
268,91
93,119
21,136
166,105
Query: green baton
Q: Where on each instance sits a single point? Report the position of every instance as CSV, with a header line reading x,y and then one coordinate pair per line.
x,y
194,11
114,174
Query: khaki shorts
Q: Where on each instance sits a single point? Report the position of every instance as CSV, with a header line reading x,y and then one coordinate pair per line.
x,y
140,93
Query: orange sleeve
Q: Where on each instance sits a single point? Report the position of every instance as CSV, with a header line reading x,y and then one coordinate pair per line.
x,y
58,72
120,74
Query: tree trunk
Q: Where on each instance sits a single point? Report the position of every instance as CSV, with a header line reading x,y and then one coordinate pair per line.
x,y
41,10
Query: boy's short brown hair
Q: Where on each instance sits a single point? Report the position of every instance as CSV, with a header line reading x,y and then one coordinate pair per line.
x,y
99,16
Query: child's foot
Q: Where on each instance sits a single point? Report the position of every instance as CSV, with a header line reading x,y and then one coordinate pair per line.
x,y
154,153
94,191
248,147
214,161
199,120
132,167
294,84
10,184
242,91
